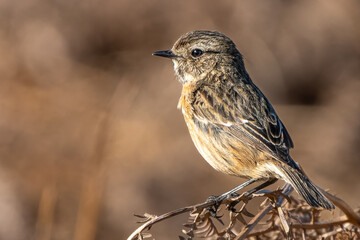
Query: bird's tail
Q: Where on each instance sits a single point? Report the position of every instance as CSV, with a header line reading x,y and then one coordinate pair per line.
x,y
302,184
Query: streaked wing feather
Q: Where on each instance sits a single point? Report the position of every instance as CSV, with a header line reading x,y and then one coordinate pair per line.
x,y
232,113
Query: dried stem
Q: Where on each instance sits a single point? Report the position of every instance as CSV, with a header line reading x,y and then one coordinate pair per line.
x,y
287,217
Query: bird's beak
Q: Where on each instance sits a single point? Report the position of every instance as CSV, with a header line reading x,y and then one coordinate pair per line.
x,y
167,54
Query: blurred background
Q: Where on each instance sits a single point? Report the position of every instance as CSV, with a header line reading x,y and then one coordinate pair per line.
x,y
89,130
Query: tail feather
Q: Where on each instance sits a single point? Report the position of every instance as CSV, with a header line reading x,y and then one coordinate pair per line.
x,y
309,191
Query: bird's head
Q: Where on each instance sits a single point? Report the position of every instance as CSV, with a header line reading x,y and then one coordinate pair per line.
x,y
197,53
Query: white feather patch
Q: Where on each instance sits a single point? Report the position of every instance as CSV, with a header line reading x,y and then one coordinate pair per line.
x,y
175,64
188,77
228,124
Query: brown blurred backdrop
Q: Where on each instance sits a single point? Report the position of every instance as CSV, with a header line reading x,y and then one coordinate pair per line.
x,y
89,130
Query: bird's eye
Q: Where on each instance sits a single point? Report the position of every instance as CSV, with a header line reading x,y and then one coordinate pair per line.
x,y
196,52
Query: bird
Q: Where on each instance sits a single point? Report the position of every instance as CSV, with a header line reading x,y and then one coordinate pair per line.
x,y
231,122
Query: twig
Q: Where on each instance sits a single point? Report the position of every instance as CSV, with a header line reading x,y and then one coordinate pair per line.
x,y
198,207
202,225
319,225
352,216
156,219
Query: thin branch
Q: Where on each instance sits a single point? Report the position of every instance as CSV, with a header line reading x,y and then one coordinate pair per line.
x,y
277,211
319,225
198,207
353,217
156,219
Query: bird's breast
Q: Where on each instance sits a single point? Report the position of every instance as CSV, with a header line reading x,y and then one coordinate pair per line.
x,y
220,149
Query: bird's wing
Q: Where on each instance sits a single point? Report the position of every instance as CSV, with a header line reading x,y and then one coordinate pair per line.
x,y
240,110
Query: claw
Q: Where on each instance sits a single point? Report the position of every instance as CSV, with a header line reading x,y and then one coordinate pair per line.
x,y
215,207
213,214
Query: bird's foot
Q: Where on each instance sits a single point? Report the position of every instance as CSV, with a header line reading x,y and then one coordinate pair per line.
x,y
213,209
217,200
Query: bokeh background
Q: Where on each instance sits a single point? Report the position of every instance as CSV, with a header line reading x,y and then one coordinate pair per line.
x,y
89,130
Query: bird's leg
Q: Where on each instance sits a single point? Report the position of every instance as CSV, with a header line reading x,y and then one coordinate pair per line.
x,y
261,186
218,199
251,191
232,191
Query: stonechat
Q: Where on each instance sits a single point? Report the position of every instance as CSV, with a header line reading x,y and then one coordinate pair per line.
x,y
231,122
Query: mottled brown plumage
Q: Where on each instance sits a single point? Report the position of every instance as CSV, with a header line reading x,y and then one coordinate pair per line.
x,y
231,122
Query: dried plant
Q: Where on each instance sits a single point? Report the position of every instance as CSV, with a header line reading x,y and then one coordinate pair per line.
x,y
279,216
